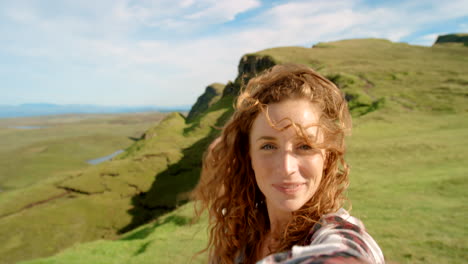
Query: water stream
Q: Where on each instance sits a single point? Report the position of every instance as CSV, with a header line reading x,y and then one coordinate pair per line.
x,y
105,158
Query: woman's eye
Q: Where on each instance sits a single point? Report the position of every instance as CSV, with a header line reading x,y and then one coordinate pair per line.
x,y
305,147
267,147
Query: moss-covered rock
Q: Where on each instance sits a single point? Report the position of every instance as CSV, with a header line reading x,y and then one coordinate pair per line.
x,y
453,38
250,65
211,95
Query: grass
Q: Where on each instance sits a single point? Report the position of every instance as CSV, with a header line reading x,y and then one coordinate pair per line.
x,y
173,238
408,185
64,143
36,162
125,187
406,153
415,75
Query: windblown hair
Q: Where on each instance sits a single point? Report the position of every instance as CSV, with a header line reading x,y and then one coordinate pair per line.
x,y
238,218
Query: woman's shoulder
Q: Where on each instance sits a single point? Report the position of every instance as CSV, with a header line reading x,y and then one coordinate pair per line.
x,y
340,236
340,220
336,238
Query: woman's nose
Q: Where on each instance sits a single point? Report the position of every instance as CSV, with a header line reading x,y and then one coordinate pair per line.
x,y
289,162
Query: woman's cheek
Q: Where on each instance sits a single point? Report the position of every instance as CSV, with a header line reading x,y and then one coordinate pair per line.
x,y
268,161
264,165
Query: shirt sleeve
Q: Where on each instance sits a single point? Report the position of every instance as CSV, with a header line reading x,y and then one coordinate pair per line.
x,y
336,238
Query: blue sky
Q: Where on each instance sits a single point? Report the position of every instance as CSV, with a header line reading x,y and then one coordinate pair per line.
x,y
129,52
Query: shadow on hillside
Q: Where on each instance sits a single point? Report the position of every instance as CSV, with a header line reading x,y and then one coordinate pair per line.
x,y
142,248
172,186
134,138
145,232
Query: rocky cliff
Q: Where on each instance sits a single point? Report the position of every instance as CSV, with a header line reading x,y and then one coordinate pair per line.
x,y
250,65
453,38
211,95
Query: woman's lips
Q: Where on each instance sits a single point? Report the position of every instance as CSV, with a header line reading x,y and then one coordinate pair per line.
x,y
289,188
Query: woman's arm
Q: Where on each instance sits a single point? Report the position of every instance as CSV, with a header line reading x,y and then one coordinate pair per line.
x,y
337,238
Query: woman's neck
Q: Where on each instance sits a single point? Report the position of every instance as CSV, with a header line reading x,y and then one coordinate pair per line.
x,y
278,220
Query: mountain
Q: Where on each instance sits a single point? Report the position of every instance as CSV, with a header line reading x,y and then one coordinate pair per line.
x,y
407,103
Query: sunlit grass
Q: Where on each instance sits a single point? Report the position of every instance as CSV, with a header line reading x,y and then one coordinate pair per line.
x,y
407,185
407,156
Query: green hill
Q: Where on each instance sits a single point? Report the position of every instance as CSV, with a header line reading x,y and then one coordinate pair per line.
x,y
407,156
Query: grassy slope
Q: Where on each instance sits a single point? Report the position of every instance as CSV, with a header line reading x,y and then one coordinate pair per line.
x,y
101,201
35,161
171,239
408,173
408,185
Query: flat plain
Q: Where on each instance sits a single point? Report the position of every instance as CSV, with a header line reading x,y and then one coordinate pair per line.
x,y
35,148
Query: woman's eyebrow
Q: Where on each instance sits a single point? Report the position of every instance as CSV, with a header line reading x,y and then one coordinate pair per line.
x,y
266,138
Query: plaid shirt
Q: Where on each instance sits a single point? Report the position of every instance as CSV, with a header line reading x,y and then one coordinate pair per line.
x,y
336,238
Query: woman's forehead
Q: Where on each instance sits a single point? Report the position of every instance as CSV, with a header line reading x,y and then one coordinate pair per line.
x,y
281,115
299,111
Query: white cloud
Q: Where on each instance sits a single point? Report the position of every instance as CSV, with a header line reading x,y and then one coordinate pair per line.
x,y
186,13
121,40
186,3
222,11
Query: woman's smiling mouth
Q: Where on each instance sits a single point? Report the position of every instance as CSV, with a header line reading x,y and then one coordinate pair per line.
x,y
289,188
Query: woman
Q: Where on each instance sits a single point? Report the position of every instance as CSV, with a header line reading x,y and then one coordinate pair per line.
x,y
273,182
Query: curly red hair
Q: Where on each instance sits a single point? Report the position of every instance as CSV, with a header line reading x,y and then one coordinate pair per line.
x,y
238,220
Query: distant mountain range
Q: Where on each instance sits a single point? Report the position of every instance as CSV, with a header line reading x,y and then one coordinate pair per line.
x,y
40,109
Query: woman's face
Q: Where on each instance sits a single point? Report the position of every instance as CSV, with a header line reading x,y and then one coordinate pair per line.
x,y
287,169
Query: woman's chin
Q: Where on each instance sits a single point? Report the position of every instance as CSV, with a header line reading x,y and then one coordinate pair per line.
x,y
290,205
